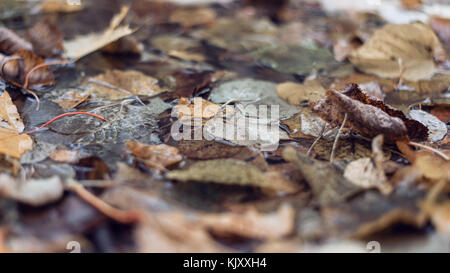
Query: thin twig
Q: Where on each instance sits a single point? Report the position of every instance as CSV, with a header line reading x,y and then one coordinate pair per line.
x,y
121,216
315,141
337,138
108,85
441,154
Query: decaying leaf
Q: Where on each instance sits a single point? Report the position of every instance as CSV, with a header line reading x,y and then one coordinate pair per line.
x,y
436,128
326,182
12,143
155,156
84,45
116,84
294,93
67,156
31,192
368,116
395,51
71,99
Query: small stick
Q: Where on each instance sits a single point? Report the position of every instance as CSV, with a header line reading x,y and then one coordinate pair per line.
x,y
121,216
63,115
441,154
315,141
337,138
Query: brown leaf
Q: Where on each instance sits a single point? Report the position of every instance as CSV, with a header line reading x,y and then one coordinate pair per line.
x,y
71,99
442,27
46,39
10,42
192,17
405,51
117,84
68,156
51,6
16,69
12,143
294,93
368,116
155,156
189,82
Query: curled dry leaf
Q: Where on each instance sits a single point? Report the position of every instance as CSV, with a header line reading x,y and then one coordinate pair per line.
x,y
252,224
294,93
155,156
368,116
32,192
10,42
71,99
12,143
46,39
437,129
84,45
406,51
117,84
369,172
20,63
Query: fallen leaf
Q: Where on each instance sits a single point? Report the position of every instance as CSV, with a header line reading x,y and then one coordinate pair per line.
x,y
368,116
395,51
16,69
12,143
71,99
437,129
294,93
10,42
189,82
117,84
440,217
32,192
252,224
84,45
155,156
198,108
442,113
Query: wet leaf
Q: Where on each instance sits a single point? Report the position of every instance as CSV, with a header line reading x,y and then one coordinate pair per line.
x,y
193,17
405,51
67,156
